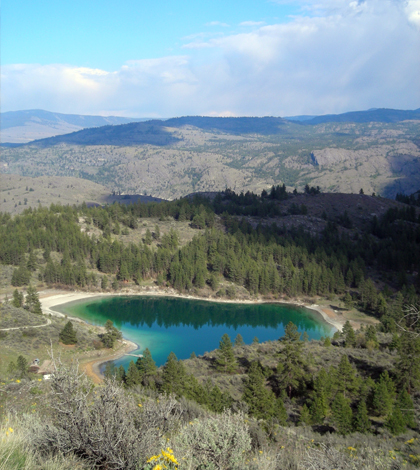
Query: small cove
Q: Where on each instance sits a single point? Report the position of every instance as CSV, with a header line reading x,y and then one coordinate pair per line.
x,y
165,324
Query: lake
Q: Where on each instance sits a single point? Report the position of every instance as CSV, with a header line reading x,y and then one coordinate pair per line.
x,y
165,324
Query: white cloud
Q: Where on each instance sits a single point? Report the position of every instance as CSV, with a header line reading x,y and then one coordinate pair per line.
x,y
355,55
412,9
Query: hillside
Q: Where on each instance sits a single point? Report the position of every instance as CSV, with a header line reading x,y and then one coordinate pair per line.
x,y
25,126
353,395
183,155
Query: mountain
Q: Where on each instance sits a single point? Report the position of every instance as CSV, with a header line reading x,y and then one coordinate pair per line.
x,y
172,158
372,115
28,125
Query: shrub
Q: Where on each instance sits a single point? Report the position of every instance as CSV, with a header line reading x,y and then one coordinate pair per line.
x,y
103,426
216,442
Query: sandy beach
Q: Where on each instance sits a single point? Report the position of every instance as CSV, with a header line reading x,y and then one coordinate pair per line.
x,y
53,298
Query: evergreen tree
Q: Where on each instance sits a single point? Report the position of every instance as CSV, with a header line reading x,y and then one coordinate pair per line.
x,y
17,299
22,366
406,406
120,376
260,400
291,368
361,420
148,237
291,333
239,341
349,335
32,302
32,263
395,342
346,381
319,408
226,361
383,398
327,342
173,376
104,282
280,412
395,422
342,415
408,365
132,376
146,367
67,334
112,334
305,416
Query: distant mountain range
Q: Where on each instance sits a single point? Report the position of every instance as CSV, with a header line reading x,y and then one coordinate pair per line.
x,y
19,127
377,150
33,124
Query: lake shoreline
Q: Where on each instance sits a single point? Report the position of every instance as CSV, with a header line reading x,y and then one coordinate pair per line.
x,y
50,299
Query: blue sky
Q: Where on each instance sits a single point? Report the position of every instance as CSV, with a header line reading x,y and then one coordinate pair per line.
x,y
171,58
105,34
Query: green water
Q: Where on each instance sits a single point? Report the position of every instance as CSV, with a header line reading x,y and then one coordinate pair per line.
x,y
165,324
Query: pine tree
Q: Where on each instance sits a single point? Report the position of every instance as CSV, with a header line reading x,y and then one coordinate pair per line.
x,y
349,335
396,422
384,393
173,376
342,415
146,367
32,302
239,341
67,334
17,299
22,366
226,361
280,412
345,380
120,376
361,420
319,408
291,333
406,406
132,376
260,400
305,416
408,365
291,368
32,262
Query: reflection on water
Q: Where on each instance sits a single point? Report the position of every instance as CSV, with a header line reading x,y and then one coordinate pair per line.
x,y
181,325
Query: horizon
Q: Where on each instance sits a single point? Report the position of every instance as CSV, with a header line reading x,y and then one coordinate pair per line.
x,y
203,115
266,58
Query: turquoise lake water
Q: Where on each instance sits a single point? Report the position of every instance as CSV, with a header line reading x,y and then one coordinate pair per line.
x,y
165,324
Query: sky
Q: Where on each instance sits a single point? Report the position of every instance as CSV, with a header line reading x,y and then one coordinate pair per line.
x,y
165,58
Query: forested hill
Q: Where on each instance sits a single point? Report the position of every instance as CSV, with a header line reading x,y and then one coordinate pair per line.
x,y
245,245
353,395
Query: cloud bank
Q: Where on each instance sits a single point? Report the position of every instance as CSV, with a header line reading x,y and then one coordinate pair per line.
x,y
335,57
